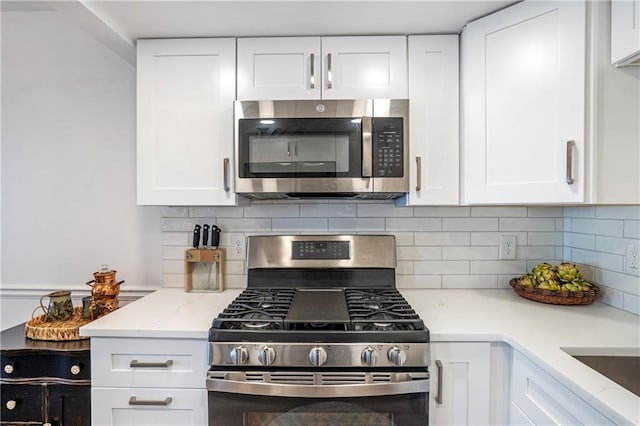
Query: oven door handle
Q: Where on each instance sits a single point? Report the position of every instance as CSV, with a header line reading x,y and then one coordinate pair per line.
x,y
317,391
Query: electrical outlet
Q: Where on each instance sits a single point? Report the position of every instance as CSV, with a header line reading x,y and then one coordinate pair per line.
x,y
632,260
507,247
238,246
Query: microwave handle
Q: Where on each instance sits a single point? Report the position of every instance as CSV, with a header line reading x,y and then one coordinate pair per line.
x,y
367,146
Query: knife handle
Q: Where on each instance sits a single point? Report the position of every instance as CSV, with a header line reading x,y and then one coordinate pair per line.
x,y
215,236
205,235
196,236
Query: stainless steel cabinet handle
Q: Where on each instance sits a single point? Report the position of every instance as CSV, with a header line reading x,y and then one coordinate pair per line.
x,y
135,401
418,173
570,145
75,370
439,394
135,364
225,172
312,78
329,77
367,146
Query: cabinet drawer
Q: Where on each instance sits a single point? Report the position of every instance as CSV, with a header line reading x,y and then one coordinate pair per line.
x,y
34,364
171,363
22,403
143,407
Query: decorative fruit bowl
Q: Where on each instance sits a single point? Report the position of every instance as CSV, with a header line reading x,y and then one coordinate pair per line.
x,y
561,285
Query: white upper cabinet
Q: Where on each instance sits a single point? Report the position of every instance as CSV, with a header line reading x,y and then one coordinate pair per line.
x,y
186,90
523,105
322,68
625,32
279,68
433,124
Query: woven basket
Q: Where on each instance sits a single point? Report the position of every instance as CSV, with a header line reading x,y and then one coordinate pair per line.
x,y
43,328
555,297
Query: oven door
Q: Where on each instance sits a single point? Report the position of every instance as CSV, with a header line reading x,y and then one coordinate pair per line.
x,y
256,402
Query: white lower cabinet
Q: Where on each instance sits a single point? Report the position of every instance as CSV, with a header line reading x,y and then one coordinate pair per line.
x,y
144,407
538,399
148,381
460,383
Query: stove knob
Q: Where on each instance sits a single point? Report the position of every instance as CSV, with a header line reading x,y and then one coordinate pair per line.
x,y
239,355
397,356
317,356
369,356
266,355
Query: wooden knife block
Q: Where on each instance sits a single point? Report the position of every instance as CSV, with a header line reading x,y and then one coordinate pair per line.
x,y
204,270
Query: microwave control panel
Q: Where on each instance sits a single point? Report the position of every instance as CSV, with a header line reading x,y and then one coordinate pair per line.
x,y
388,147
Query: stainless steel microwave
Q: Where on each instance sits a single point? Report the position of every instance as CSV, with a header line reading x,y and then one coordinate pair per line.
x,y
322,149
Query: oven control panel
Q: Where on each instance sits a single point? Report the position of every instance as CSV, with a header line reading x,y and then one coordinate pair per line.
x,y
320,250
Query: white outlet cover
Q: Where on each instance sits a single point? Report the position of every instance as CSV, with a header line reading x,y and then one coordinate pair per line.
x,y
632,260
507,247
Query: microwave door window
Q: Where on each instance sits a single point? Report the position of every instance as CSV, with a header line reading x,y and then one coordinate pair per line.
x,y
327,154
270,154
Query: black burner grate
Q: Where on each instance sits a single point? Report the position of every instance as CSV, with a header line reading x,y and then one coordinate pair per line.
x,y
256,309
381,310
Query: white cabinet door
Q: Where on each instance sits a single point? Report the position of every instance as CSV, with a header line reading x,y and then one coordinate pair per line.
x,y
625,32
364,67
537,398
145,407
278,68
433,112
523,101
186,90
465,387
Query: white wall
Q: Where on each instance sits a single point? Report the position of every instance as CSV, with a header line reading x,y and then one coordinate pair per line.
x,y
68,166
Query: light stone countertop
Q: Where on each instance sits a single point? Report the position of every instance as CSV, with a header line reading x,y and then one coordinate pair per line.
x,y
537,330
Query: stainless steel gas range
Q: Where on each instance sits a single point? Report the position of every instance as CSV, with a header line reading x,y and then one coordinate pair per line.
x,y
321,335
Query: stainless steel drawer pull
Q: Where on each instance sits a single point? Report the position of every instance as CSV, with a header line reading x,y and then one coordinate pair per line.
x,y
162,403
418,173
225,172
570,145
329,77
135,364
312,78
439,394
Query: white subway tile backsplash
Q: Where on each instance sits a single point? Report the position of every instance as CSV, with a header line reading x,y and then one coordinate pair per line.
x,y
419,253
300,224
441,267
245,225
582,241
419,281
470,224
328,210
470,281
175,238
469,253
499,211
437,246
273,210
437,211
493,238
356,224
632,229
382,210
413,224
618,212
544,212
442,238
517,267
631,303
544,239
612,262
612,228
528,224
216,212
